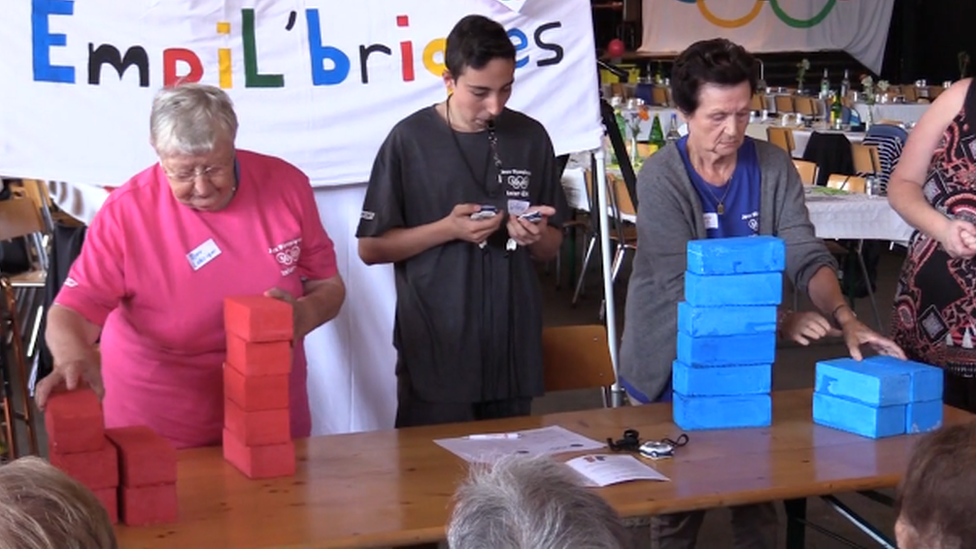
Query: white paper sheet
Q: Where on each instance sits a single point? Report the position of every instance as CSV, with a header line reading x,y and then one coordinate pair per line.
x,y
488,447
607,469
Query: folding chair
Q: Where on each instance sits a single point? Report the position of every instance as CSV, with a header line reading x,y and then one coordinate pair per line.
x,y
22,305
784,104
577,357
866,159
850,183
807,171
782,138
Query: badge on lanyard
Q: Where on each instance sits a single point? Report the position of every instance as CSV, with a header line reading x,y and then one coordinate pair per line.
x,y
711,220
203,254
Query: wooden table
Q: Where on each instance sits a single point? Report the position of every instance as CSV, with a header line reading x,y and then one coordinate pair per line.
x,y
394,487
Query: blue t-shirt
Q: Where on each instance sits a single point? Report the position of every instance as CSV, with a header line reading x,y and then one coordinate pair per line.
x,y
740,196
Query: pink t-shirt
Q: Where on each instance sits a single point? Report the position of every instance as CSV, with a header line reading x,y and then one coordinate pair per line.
x,y
163,341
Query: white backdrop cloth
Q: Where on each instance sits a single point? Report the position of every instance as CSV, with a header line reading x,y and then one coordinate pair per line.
x,y
304,87
859,27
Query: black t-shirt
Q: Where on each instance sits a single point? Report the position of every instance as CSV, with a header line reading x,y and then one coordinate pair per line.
x,y
468,319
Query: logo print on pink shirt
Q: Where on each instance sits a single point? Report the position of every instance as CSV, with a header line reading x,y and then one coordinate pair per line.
x,y
287,255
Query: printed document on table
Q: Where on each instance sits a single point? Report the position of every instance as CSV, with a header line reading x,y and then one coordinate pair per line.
x,y
604,470
488,447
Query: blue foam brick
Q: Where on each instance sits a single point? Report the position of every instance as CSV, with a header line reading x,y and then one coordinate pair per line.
x,y
730,320
857,417
722,412
727,350
922,417
721,381
739,255
926,381
741,289
864,381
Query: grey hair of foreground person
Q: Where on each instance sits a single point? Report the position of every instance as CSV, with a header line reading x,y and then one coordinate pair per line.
x,y
189,119
531,503
43,508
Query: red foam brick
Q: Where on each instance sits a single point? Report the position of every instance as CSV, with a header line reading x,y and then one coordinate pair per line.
x,y
74,422
257,428
258,318
253,393
109,498
258,359
257,462
96,470
143,505
145,458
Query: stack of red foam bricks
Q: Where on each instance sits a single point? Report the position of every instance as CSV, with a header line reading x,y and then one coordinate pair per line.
x,y
257,426
99,458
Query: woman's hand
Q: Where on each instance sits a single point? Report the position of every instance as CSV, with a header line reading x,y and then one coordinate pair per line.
x,y
958,238
805,327
856,333
298,313
68,376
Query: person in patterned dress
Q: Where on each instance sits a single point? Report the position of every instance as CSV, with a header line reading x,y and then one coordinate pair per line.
x,y
934,190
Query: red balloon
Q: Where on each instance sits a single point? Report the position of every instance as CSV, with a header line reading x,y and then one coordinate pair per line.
x,y
616,48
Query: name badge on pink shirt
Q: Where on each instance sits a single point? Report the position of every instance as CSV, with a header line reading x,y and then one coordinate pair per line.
x,y
203,254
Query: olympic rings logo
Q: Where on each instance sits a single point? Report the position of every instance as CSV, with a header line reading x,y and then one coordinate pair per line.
x,y
757,8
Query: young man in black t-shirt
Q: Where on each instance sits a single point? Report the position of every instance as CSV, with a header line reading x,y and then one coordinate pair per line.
x,y
468,317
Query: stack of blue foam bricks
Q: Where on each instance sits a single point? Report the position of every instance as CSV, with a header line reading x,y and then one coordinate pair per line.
x,y
878,397
727,333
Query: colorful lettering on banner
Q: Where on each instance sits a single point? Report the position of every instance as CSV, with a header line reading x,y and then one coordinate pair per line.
x,y
330,65
295,76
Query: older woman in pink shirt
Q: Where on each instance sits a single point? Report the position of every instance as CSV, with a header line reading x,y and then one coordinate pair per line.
x,y
206,222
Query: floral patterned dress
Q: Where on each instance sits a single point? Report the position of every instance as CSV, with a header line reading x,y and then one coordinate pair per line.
x,y
933,318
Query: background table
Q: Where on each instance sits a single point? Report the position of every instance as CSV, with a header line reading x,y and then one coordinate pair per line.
x,y
395,487
908,113
856,217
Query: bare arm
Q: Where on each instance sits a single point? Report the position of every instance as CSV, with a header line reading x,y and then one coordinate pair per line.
x,y
399,244
321,303
71,340
905,188
826,296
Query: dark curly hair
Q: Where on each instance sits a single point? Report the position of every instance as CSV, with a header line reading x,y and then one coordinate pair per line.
x,y
717,61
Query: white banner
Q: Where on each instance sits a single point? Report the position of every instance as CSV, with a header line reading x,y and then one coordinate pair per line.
x,y
316,82
859,27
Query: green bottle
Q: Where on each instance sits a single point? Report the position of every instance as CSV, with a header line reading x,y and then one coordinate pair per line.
x,y
657,134
836,113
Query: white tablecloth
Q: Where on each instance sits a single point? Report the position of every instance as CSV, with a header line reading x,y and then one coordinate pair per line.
x,y
903,112
857,217
853,217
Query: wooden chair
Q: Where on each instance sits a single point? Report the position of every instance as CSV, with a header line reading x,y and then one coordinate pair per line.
x,y
805,106
782,138
659,96
866,158
784,104
20,218
758,103
625,235
807,171
849,183
577,357
910,93
22,306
